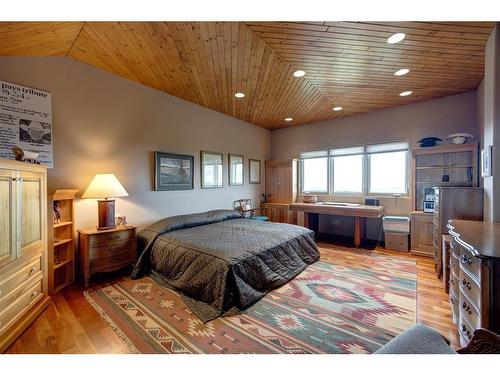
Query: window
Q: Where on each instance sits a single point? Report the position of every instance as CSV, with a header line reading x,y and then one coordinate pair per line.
x,y
314,172
348,170
360,170
388,168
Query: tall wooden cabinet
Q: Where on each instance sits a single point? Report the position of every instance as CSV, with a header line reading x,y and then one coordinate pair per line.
x,y
23,247
448,166
281,190
453,203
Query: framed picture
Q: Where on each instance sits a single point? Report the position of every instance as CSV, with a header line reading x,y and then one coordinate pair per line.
x,y
486,162
236,169
211,169
173,171
254,168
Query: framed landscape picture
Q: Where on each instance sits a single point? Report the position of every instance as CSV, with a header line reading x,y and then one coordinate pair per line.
x,y
236,169
254,168
211,170
173,171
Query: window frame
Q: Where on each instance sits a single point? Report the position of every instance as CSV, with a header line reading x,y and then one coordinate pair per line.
x,y
369,175
366,172
363,176
301,176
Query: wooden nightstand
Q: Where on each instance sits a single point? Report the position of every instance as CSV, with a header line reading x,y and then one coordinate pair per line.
x,y
107,250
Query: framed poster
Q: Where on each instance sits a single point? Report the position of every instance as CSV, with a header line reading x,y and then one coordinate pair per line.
x,y
254,168
173,171
211,169
26,122
236,169
486,162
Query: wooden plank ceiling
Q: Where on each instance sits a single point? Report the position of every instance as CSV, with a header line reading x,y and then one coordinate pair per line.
x,y
347,64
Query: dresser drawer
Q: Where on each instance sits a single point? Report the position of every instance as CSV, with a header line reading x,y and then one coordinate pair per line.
x,y
454,285
455,263
111,250
469,310
6,300
470,288
466,330
9,315
106,238
27,271
124,257
455,248
470,263
454,301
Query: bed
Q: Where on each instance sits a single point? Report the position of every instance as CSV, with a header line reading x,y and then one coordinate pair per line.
x,y
220,262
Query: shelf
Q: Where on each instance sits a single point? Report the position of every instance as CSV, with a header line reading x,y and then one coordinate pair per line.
x,y
59,265
442,167
62,242
63,224
444,183
62,286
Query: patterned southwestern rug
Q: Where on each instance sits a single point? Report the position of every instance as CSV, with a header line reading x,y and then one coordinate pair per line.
x,y
348,302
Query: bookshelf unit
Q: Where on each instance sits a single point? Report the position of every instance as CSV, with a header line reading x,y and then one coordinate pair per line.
x,y
448,166
61,244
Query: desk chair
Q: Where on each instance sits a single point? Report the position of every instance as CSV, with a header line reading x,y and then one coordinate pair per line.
x,y
245,207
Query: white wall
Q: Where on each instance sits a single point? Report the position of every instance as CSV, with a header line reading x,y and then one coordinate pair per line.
x,y
107,124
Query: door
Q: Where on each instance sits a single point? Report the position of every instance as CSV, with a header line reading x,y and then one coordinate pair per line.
x,y
7,246
29,211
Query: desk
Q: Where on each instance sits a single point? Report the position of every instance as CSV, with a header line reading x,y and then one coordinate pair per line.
x,y
360,213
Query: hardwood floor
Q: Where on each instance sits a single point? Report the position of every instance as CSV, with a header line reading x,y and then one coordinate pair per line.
x,y
71,325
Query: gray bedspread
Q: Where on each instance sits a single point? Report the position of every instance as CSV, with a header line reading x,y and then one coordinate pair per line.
x,y
221,262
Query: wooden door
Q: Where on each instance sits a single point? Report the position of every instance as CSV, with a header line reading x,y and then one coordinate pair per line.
x,y
280,181
7,246
29,199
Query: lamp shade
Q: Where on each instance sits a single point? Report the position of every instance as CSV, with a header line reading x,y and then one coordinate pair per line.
x,y
105,185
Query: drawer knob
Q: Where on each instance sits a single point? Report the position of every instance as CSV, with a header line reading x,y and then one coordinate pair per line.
x,y
452,300
466,284
466,308
115,237
33,270
463,328
34,294
466,260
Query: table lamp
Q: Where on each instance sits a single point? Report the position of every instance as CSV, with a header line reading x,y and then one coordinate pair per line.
x,y
102,187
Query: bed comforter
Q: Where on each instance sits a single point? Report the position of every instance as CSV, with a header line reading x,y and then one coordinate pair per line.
x,y
220,262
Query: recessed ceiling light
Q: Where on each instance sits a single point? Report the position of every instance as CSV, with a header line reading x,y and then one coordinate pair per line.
x,y
239,95
396,38
299,73
406,93
288,119
402,72
336,109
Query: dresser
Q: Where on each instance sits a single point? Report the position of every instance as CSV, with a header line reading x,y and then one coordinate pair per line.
x,y
475,276
106,250
23,247
453,203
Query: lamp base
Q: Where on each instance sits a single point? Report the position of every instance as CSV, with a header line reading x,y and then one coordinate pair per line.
x,y
106,214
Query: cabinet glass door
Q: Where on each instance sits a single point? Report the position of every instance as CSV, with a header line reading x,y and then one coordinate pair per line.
x,y
7,249
29,212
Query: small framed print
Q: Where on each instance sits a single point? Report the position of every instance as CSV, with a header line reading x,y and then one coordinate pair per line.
x,y
211,170
254,168
486,162
173,171
236,168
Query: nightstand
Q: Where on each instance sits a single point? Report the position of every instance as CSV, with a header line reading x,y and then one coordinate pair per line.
x,y
107,250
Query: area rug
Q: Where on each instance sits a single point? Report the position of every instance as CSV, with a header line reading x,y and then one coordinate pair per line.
x,y
348,302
